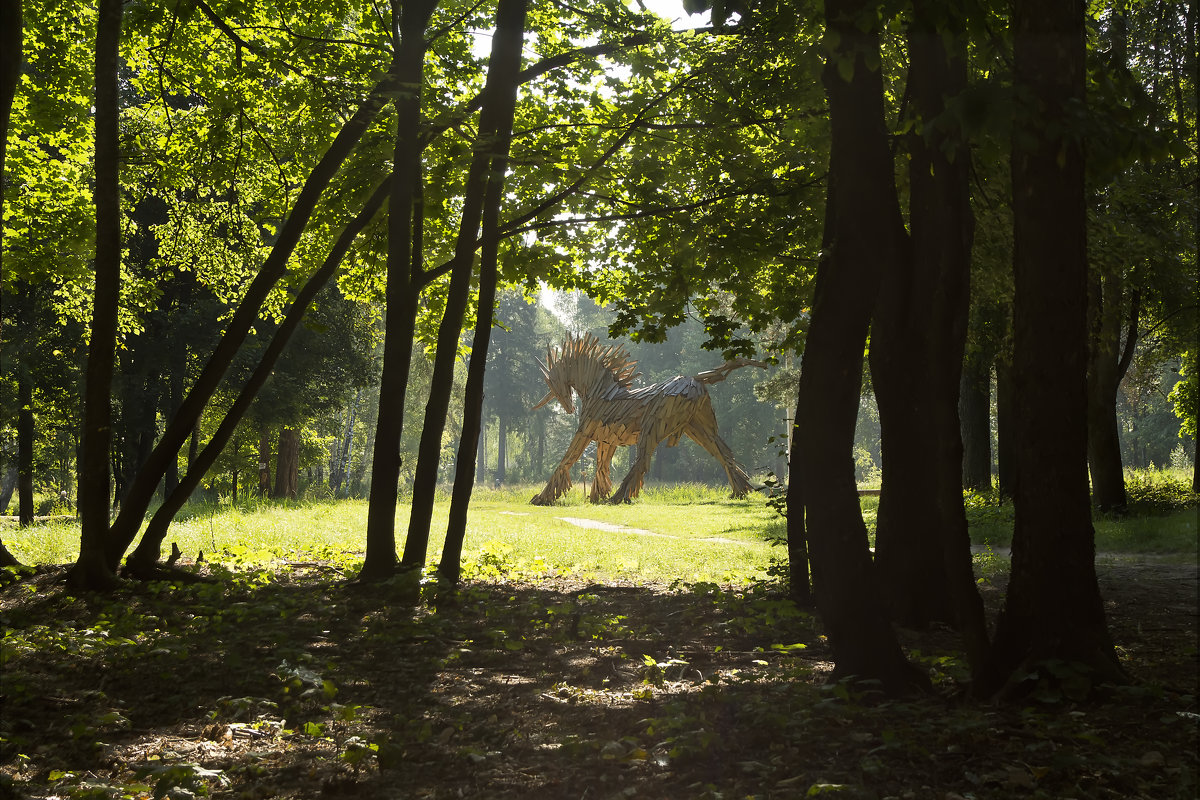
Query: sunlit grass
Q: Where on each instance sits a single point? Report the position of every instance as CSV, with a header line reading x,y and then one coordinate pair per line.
x,y
706,537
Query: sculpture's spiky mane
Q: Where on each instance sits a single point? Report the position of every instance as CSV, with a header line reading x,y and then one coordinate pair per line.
x,y
576,350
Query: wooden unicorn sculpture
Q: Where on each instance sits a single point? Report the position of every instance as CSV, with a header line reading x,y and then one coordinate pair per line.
x,y
612,413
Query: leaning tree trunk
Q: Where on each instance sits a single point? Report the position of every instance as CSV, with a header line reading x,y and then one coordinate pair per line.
x,y
503,73
1053,612
863,239
93,570
403,266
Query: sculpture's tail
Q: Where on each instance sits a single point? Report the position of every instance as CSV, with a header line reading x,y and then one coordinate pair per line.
x,y
722,372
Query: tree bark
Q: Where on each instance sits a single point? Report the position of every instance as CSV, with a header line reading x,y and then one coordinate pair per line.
x,y
863,238
24,442
503,79
404,262
264,462
93,570
416,545
975,415
922,550
1052,611
287,465
799,581
1108,361
1006,412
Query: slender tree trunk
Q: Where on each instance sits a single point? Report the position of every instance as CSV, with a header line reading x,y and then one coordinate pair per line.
x,y
501,449
503,79
24,444
416,545
93,570
1052,611
125,527
975,418
264,462
799,583
863,239
287,465
1108,361
1006,412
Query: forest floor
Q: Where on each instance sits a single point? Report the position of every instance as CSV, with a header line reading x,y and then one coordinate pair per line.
x,y
288,682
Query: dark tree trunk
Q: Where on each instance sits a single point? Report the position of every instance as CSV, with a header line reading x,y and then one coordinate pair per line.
x,y
1108,361
975,419
142,561
429,452
1052,611
503,70
799,582
501,449
1006,425
922,550
24,445
133,511
863,238
264,462
173,398
404,262
287,465
7,559
93,570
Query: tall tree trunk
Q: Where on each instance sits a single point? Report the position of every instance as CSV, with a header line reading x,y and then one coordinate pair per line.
x,y
502,82
1108,361
1006,426
1052,611
429,452
93,570
922,550
264,462
501,449
404,262
863,238
975,419
11,25
133,511
24,442
799,582
287,465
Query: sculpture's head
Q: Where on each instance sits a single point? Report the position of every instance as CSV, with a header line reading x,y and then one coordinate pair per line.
x,y
560,388
583,366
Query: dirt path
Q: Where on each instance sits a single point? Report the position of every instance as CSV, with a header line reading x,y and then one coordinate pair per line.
x,y
582,522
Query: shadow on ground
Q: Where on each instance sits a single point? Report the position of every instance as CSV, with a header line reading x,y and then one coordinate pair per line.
x,y
290,684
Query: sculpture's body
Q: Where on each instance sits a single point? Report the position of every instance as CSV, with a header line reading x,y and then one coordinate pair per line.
x,y
612,414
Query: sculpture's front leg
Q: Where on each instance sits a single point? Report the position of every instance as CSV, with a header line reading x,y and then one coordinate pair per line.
x,y
602,485
560,481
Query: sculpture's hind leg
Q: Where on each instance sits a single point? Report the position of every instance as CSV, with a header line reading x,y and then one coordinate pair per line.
x,y
602,485
711,441
560,481
641,465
